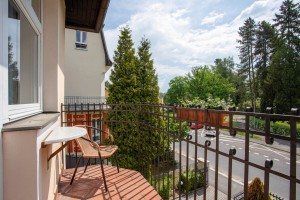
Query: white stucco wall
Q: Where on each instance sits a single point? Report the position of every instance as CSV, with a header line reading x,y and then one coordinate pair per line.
x,y
26,168
54,54
84,69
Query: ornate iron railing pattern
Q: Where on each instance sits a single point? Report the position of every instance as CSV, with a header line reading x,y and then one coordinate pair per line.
x,y
159,174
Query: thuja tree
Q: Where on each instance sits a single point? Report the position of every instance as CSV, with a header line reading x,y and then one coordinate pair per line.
x,y
153,143
134,82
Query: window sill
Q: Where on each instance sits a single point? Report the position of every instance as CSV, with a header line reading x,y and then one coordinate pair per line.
x,y
82,49
35,122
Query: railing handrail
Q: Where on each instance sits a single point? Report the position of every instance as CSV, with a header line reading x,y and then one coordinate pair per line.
x,y
161,111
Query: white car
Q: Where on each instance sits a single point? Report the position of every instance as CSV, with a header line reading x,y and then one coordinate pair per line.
x,y
210,133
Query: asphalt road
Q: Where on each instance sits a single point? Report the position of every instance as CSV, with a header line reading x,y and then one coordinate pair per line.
x,y
258,153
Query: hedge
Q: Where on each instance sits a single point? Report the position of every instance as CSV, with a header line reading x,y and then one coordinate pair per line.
x,y
277,128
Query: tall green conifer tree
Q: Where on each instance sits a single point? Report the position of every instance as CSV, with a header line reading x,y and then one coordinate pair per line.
x,y
285,63
246,48
133,81
263,51
124,75
148,89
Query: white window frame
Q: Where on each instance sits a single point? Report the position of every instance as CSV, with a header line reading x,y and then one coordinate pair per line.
x,y
15,112
80,44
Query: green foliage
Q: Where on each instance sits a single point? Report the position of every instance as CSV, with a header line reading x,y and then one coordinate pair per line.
x,y
269,60
287,24
285,62
278,128
203,82
166,185
180,129
263,49
199,179
225,67
133,80
177,90
124,87
199,83
284,79
246,48
147,89
165,192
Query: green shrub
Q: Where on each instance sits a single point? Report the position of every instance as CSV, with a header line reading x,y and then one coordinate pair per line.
x,y
165,186
191,179
278,128
180,130
165,192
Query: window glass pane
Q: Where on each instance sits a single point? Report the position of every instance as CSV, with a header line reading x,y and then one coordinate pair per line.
x,y
36,5
22,58
77,36
83,37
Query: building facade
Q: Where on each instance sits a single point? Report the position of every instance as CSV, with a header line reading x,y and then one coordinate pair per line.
x,y
32,86
86,62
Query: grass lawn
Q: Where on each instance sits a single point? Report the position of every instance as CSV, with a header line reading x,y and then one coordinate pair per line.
x,y
251,135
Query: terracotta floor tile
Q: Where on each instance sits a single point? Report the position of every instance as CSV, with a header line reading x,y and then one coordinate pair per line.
x,y
127,184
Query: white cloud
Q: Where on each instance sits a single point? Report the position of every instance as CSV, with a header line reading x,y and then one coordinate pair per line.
x,y
212,18
177,45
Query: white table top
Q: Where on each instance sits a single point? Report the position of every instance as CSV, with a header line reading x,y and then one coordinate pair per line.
x,y
64,134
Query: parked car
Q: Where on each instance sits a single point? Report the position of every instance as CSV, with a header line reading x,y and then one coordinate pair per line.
x,y
194,126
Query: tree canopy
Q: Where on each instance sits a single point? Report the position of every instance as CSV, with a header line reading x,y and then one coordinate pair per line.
x,y
200,83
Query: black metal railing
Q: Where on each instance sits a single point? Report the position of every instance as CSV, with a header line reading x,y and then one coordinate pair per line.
x,y
170,146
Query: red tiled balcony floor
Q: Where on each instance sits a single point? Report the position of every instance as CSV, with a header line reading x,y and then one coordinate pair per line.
x,y
127,184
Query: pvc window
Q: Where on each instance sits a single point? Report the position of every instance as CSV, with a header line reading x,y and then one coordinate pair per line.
x,y
24,59
81,40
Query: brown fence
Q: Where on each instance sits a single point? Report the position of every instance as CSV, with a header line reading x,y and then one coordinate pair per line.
x,y
175,149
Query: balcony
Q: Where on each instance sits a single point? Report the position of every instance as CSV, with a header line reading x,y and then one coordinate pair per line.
x,y
186,164
127,184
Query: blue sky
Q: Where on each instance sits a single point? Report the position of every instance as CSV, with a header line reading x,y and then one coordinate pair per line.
x,y
184,34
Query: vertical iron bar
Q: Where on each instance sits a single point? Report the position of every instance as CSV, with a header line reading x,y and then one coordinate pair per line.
x,y
232,132
155,159
180,171
217,156
94,124
293,156
69,150
139,136
268,166
169,148
173,189
159,130
187,169
76,124
195,157
268,138
246,166
127,138
207,144
232,152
